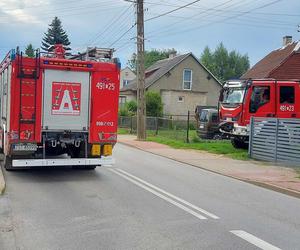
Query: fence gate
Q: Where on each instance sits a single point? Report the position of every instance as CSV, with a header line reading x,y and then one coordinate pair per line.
x,y
276,140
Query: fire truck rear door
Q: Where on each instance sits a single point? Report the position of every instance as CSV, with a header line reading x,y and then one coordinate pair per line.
x,y
66,100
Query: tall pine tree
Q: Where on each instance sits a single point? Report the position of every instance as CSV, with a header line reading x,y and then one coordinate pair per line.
x,y
55,35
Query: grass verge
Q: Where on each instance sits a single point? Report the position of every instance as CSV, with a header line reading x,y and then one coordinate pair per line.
x,y
212,146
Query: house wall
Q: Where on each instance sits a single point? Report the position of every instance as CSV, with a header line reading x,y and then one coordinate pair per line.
x,y
180,102
205,89
288,70
126,96
126,74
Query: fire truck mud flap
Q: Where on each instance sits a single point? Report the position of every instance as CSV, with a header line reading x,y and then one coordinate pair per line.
x,y
103,161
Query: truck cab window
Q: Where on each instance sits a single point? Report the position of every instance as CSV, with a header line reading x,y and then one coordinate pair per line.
x,y
204,116
259,97
287,94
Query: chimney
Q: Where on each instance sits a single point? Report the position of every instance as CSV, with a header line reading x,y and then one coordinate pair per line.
x,y
287,40
172,54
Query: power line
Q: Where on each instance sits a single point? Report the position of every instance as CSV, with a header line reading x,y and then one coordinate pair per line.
x,y
127,31
222,20
221,10
197,14
110,24
118,29
67,12
171,11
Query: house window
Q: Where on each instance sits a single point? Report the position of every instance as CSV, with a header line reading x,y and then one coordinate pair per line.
x,y
287,94
122,101
180,98
187,79
125,82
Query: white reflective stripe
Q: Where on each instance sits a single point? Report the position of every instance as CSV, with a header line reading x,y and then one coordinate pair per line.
x,y
254,240
186,209
169,194
63,162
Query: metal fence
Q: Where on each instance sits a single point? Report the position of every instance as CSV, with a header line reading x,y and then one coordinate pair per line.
x,y
276,140
171,126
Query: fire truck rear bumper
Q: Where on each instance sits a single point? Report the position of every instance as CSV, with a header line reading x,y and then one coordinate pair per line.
x,y
63,162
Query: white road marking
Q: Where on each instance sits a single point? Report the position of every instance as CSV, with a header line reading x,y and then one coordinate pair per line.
x,y
186,209
170,195
254,240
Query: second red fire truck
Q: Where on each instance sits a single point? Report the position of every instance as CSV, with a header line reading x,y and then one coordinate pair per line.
x,y
240,100
53,106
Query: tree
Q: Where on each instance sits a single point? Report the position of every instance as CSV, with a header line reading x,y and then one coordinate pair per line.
x,y
154,106
151,57
29,51
223,64
207,59
55,35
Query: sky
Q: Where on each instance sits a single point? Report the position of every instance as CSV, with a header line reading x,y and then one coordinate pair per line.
x,y
253,27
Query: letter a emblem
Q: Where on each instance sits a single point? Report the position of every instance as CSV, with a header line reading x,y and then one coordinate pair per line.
x,y
66,103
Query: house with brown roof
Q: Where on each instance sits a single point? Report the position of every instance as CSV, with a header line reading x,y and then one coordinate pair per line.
x,y
281,64
183,83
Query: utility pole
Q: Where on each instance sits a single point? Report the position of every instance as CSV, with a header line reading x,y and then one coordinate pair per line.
x,y
141,104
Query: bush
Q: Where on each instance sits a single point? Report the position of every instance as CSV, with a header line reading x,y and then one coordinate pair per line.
x,y
123,112
154,106
131,106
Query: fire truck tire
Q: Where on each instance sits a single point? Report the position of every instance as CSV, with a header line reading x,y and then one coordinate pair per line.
x,y
237,143
7,162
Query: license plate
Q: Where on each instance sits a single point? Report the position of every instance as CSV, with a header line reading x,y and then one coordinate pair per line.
x,y
25,147
201,126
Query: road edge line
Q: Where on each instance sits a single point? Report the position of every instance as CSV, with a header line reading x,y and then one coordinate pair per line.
x,y
161,196
268,186
174,197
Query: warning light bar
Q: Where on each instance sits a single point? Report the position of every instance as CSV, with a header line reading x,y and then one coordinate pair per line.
x,y
68,64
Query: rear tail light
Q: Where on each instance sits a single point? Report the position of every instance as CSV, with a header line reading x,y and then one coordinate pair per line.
x,y
96,150
107,150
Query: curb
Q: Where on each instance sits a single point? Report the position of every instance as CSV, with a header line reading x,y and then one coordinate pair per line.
x,y
272,187
2,182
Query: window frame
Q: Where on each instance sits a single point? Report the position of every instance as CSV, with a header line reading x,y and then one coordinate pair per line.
x,y
182,99
121,98
253,101
183,80
125,82
280,94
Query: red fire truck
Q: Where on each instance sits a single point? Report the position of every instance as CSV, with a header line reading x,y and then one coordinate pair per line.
x,y
240,100
57,111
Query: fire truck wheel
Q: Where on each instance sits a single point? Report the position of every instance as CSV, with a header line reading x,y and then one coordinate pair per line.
x,y
237,143
8,163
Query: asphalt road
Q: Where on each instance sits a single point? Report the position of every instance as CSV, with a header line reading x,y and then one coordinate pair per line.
x,y
143,202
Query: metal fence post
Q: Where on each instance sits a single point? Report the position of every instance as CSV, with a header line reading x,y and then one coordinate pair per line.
x,y
131,124
188,128
156,128
250,148
276,138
